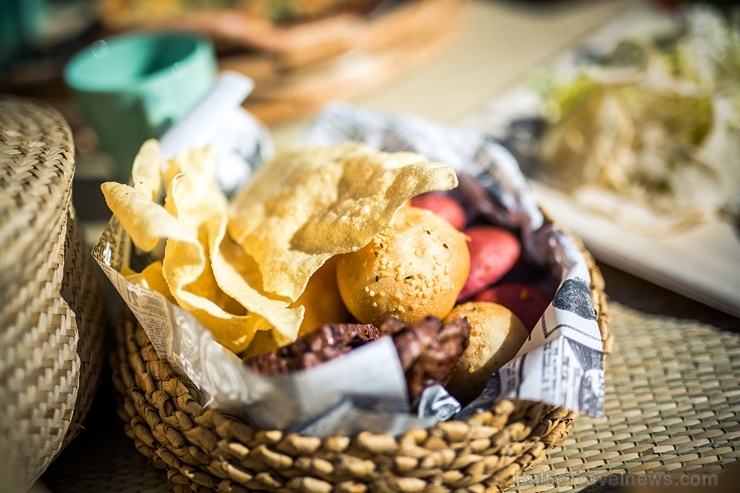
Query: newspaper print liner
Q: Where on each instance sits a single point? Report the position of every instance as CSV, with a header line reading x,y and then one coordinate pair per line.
x,y
366,389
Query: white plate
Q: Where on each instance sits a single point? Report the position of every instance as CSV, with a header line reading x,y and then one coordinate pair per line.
x,y
702,263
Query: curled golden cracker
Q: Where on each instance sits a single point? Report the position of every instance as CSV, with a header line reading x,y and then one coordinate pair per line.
x,y
309,204
192,222
145,172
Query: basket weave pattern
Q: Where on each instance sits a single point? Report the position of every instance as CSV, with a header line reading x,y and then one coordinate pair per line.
x,y
51,337
205,450
36,154
82,291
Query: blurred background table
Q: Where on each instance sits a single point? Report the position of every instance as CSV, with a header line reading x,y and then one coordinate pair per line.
x,y
494,46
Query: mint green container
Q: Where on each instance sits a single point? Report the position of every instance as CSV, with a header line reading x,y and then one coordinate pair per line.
x,y
136,86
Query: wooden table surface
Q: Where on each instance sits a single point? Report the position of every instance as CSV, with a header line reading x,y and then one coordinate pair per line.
x,y
496,46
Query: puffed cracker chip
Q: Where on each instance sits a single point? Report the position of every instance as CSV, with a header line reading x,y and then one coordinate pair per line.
x,y
193,223
309,204
145,172
145,221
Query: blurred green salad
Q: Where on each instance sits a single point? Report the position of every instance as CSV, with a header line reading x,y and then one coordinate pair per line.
x,y
650,133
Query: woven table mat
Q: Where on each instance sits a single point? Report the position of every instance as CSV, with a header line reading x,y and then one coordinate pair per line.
x,y
673,405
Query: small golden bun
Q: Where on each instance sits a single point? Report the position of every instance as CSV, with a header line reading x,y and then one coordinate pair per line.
x,y
496,335
415,267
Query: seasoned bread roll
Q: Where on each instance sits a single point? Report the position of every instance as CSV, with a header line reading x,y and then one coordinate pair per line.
x,y
496,335
413,268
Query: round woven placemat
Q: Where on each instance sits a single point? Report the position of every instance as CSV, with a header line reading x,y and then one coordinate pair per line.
x,y
672,406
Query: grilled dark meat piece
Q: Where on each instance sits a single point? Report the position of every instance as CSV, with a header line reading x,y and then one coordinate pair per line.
x,y
324,344
428,350
438,361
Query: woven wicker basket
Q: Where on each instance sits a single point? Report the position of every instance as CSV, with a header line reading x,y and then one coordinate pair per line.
x,y
51,308
205,450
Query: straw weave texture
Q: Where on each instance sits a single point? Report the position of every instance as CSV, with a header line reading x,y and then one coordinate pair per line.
x,y
51,337
36,169
672,407
205,450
